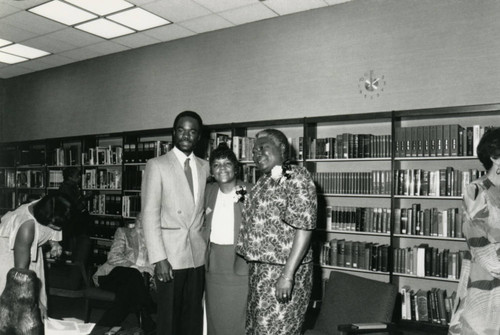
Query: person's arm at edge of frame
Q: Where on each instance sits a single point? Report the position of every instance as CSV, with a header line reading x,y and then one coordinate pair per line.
x,y
151,211
22,245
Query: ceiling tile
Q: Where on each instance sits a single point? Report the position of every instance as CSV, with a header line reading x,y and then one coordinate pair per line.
x,y
335,2
177,10
49,44
13,71
247,14
56,60
107,47
140,2
136,40
283,7
26,4
37,65
80,54
206,23
75,37
34,23
223,5
14,34
168,33
6,9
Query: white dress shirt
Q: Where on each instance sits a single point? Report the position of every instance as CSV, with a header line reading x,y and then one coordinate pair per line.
x,y
182,158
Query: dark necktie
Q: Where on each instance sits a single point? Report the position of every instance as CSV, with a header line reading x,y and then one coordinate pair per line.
x,y
189,175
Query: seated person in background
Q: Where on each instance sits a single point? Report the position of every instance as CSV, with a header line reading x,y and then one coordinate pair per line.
x,y
23,232
19,313
123,274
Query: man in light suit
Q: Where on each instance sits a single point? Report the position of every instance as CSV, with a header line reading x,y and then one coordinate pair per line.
x,y
172,207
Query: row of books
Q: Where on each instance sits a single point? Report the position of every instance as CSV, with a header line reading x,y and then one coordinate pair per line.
x,y
249,173
65,156
131,205
7,178
102,178
100,155
373,182
437,140
428,221
55,178
434,305
438,183
31,156
217,138
347,145
355,254
30,178
426,261
104,227
105,204
132,177
364,219
141,152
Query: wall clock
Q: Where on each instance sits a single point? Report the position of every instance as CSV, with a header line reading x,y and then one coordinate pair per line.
x,y
371,85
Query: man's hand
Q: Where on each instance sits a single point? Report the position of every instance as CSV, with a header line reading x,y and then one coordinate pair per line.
x,y
163,271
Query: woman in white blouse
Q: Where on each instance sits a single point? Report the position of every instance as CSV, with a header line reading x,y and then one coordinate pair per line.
x,y
227,273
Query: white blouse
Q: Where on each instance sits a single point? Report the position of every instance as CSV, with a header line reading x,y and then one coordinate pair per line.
x,y
223,219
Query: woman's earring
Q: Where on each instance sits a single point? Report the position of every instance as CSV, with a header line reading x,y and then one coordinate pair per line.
x,y
498,170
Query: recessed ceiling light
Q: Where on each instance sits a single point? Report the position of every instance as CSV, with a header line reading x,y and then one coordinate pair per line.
x,y
104,28
24,51
102,7
138,19
62,12
10,59
4,42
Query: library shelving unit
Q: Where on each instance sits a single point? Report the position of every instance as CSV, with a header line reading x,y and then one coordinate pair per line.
x,y
8,154
389,184
349,157
30,172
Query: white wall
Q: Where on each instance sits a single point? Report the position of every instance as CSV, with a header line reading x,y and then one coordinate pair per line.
x,y
433,53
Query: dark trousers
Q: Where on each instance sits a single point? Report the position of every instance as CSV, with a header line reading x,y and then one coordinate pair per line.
x,y
180,308
132,295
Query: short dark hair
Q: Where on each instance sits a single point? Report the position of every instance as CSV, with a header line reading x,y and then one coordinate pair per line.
x,y
190,114
278,138
53,208
489,147
70,172
223,151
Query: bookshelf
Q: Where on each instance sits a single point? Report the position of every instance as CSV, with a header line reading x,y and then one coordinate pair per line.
x,y
363,184
350,160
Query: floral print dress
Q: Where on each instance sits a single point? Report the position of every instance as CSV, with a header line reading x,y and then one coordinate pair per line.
x,y
275,209
477,307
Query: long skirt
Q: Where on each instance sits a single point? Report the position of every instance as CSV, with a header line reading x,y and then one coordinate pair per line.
x,y
265,314
226,293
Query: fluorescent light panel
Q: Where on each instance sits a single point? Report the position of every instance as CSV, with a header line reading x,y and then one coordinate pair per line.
x,y
62,12
24,51
4,42
104,28
102,7
10,59
138,19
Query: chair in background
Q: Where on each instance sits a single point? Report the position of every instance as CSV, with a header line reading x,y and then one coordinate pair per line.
x,y
350,299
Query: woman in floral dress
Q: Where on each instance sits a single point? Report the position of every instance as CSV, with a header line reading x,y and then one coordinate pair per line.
x,y
477,307
278,219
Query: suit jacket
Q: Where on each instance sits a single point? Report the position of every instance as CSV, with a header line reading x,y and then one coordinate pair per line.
x,y
240,266
124,252
173,222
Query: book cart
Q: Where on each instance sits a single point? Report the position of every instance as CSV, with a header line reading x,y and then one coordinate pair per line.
x,y
389,188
